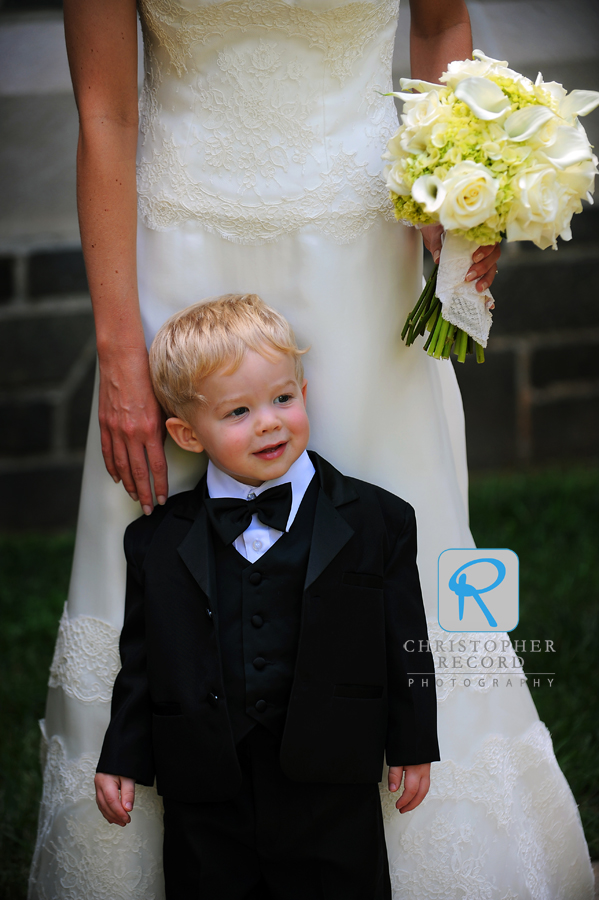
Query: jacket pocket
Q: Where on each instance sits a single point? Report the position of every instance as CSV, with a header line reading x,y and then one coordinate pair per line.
x,y
359,579
166,708
359,691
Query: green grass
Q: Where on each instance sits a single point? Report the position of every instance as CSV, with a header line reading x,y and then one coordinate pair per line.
x,y
34,573
550,519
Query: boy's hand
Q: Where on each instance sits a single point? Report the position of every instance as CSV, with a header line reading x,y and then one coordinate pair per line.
x,y
417,783
113,807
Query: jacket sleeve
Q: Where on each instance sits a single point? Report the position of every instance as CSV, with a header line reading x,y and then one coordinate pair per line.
x,y
127,748
412,720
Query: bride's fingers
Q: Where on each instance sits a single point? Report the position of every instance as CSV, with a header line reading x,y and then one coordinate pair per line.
x,y
107,453
141,475
123,467
158,467
431,235
484,268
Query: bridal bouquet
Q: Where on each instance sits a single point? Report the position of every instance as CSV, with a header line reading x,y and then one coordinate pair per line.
x,y
488,154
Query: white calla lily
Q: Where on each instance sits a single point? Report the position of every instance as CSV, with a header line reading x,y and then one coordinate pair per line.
x,y
522,124
578,103
569,148
485,98
428,190
414,84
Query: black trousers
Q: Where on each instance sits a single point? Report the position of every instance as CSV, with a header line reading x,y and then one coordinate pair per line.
x,y
277,839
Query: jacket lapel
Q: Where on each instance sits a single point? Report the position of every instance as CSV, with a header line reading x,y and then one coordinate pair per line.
x,y
331,531
196,549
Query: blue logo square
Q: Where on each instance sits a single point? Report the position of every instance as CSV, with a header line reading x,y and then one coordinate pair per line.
x,y
478,589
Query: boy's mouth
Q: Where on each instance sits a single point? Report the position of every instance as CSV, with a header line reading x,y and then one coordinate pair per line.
x,y
272,452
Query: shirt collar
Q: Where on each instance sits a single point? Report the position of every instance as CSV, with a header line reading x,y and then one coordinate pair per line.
x,y
299,474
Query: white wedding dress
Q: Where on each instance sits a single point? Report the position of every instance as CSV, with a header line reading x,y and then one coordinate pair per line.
x,y
262,126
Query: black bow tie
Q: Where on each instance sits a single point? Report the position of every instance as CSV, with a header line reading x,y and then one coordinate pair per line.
x,y
230,517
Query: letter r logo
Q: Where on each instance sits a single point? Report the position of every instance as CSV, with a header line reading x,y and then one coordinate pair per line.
x,y
478,590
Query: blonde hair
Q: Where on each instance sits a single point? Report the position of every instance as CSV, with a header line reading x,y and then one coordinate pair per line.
x,y
210,335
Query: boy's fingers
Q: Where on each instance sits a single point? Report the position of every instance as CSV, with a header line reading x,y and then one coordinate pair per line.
x,y
109,802
414,795
418,797
127,793
395,776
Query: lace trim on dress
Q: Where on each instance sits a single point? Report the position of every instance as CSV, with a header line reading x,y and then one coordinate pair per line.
x,y
341,32
519,791
253,161
473,660
79,851
86,658
348,186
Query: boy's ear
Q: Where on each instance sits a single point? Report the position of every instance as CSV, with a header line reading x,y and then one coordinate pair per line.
x,y
183,435
304,389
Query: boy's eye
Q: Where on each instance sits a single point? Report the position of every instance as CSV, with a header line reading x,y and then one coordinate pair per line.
x,y
283,398
240,411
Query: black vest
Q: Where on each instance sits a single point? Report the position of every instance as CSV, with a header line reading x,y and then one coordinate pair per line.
x,y
259,614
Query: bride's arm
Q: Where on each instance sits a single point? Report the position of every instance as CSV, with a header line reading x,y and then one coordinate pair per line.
x,y
439,33
101,38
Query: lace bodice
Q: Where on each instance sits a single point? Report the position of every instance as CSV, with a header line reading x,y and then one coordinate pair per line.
x,y
259,117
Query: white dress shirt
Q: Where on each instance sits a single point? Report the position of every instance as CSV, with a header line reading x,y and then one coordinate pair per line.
x,y
258,538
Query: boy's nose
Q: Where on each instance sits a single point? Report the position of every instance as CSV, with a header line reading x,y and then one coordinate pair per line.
x,y
268,421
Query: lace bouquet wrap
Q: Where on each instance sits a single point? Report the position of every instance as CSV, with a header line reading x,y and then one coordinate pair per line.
x,y
488,154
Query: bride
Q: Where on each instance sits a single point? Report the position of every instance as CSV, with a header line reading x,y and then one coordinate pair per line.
x,y
261,125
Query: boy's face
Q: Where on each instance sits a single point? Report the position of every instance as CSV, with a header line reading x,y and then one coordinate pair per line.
x,y
254,424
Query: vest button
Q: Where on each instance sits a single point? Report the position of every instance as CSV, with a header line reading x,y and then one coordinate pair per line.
x,y
212,700
257,621
255,578
261,705
259,663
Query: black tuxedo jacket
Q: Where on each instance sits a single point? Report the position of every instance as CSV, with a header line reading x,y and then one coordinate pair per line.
x,y
351,700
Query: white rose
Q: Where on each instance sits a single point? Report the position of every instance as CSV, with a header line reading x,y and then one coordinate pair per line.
x,y
425,112
395,178
534,214
394,149
470,196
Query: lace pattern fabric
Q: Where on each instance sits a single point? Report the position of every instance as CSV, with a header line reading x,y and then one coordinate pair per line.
x,y
248,117
86,658
78,852
510,795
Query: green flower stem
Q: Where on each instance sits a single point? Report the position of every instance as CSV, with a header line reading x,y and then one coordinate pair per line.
x,y
421,312
444,338
435,334
440,343
462,346
449,340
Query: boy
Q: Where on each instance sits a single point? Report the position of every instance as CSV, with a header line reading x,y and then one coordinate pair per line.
x,y
264,671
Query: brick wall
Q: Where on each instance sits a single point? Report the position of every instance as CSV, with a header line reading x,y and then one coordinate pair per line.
x,y
536,398
47,360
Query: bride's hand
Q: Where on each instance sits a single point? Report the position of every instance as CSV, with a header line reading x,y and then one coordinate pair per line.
x,y
132,427
484,259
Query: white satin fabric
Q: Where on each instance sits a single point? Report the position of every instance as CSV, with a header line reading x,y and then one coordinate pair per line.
x,y
230,203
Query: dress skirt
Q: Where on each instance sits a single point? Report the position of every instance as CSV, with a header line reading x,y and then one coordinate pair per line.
x,y
500,822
